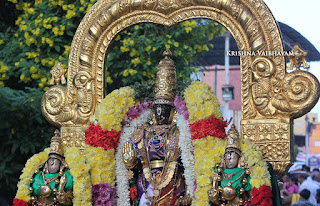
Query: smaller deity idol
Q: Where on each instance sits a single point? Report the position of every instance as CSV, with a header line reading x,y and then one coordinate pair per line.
x,y
231,177
52,183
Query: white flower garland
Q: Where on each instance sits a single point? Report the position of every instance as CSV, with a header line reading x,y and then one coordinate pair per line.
x,y
121,171
186,152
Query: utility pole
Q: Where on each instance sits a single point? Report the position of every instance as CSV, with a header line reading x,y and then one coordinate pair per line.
x,y
226,64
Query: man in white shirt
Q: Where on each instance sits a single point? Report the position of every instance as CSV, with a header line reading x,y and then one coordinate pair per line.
x,y
312,184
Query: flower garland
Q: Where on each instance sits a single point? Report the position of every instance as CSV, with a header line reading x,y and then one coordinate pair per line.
x,y
181,107
210,127
104,194
199,93
207,152
31,165
259,168
81,178
187,157
102,165
262,196
113,108
98,137
135,111
122,181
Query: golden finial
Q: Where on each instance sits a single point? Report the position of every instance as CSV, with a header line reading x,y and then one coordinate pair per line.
x,y
165,80
233,140
57,74
298,58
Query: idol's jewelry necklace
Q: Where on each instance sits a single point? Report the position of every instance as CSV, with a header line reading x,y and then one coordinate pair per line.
x,y
230,175
230,183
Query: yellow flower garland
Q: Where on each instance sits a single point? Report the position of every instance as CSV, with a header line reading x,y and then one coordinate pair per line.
x,y
113,108
32,164
207,152
259,168
199,93
102,165
81,178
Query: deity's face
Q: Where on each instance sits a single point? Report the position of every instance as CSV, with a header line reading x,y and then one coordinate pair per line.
x,y
232,159
53,164
162,113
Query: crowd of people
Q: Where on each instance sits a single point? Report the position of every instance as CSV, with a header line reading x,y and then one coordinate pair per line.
x,y
301,188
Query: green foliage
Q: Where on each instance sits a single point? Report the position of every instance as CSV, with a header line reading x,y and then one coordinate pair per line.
x,y
143,90
23,132
41,38
136,51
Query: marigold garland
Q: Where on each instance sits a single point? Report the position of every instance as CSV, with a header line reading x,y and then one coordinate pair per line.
x,y
31,165
102,165
114,107
201,102
81,178
207,152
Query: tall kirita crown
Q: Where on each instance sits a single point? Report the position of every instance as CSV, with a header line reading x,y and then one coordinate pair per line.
x,y
233,140
56,146
165,81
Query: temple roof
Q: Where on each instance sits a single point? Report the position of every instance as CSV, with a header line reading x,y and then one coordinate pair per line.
x,y
290,37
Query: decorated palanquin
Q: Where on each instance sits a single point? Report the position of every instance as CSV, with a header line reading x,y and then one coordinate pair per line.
x,y
123,149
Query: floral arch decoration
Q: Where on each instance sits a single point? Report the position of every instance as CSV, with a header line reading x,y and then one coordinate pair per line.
x,y
270,96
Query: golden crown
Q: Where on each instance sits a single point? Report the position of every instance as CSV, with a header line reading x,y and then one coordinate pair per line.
x,y
233,140
56,145
165,81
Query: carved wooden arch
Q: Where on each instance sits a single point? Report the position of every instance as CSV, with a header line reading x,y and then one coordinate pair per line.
x,y
271,97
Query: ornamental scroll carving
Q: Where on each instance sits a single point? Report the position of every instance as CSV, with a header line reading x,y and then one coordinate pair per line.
x,y
61,111
267,90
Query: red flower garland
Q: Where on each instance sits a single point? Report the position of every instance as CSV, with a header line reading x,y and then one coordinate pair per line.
x,y
98,137
18,202
262,196
210,127
133,193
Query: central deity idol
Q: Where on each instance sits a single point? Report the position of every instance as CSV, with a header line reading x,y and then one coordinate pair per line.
x,y
153,152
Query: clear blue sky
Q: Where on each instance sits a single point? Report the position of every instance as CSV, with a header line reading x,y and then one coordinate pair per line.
x,y
303,16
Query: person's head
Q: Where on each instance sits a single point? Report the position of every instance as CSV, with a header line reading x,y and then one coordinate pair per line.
x,y
285,178
305,168
54,163
292,180
163,113
305,194
315,170
302,177
318,196
316,176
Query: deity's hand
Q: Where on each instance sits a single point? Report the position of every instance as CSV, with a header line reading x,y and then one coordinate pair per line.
x,y
186,200
129,156
62,196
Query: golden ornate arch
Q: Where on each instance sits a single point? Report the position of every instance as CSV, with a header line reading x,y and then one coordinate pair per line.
x,y
271,97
